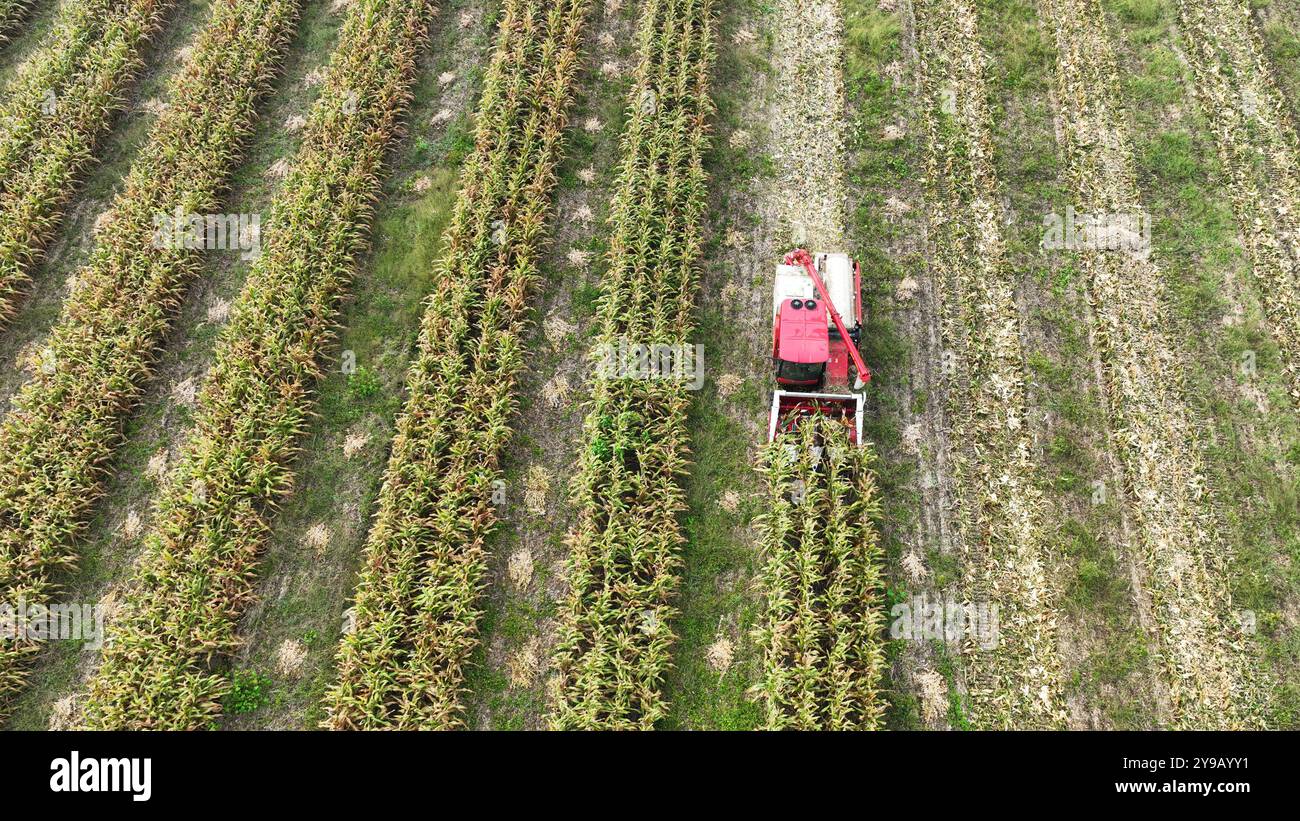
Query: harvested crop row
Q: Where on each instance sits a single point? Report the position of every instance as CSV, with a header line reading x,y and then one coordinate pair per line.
x,y
613,638
54,113
808,124
1018,683
1200,642
12,12
200,558
822,630
1257,143
66,422
417,603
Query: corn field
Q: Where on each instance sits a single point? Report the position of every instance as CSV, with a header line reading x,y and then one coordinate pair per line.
x,y
54,112
1200,642
67,421
180,616
614,636
440,452
1019,683
822,631
417,600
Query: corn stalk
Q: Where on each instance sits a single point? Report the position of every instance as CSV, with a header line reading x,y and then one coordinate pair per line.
x,y
1200,642
1017,683
55,110
613,640
417,602
66,423
12,12
822,626
199,562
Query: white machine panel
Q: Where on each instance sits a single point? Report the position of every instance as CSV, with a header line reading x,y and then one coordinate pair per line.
x,y
793,282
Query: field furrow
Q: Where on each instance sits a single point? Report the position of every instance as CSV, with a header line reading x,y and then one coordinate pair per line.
x,y
1199,641
54,112
1017,682
614,639
822,630
1257,144
66,423
200,559
417,602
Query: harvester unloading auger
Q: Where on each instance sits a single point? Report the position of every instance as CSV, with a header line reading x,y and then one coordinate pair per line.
x,y
812,347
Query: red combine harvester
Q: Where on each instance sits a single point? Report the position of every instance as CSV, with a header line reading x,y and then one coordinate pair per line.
x,y
812,348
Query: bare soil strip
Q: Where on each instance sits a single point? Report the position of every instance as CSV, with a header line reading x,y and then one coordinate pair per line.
x,y
1199,639
1257,143
1017,682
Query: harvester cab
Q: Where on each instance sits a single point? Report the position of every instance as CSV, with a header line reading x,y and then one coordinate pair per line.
x,y
813,349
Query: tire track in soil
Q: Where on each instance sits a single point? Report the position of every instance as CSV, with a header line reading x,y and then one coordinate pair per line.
x,y
1198,638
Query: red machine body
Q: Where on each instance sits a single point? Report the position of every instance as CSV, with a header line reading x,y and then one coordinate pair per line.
x,y
812,347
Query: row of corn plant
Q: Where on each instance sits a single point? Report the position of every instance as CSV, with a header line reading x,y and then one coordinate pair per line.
x,y
822,629
1257,142
162,661
55,110
614,640
1017,683
417,601
12,12
66,423
1183,558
